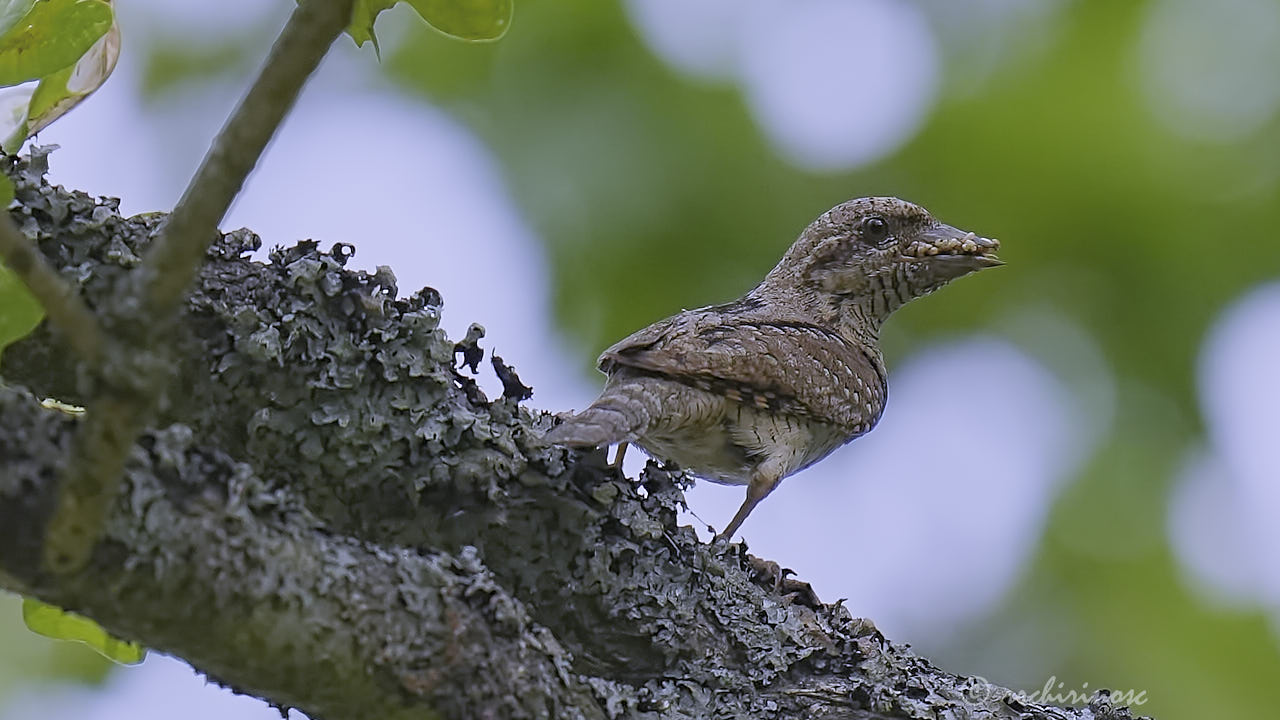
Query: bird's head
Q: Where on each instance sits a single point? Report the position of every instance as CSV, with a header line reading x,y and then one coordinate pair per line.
x,y
880,253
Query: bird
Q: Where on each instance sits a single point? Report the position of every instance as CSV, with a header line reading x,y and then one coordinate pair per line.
x,y
752,391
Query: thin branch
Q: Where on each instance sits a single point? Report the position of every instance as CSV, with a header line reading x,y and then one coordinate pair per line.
x,y
116,416
61,302
172,263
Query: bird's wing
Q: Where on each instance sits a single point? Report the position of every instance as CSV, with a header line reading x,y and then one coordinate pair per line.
x,y
788,367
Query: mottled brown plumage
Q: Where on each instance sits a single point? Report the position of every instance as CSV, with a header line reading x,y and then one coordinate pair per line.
x,y
751,391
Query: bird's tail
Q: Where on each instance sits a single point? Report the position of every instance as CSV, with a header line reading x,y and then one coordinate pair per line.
x,y
622,413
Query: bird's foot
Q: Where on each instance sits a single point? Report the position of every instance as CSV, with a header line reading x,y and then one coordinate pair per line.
x,y
771,574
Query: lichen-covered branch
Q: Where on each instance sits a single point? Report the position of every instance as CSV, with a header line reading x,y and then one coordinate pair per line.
x,y
327,514
134,370
340,627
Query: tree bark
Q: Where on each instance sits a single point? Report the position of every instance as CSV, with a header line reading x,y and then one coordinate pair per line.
x,y
327,514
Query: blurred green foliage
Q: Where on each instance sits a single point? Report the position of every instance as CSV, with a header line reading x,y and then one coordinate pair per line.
x,y
656,192
175,65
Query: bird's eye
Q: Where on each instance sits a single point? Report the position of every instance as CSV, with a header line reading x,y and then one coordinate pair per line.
x,y
874,228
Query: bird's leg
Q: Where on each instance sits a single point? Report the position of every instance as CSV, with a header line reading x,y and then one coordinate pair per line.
x,y
617,457
763,480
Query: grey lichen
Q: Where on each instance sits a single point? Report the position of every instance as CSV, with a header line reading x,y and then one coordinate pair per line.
x,y
206,560
329,514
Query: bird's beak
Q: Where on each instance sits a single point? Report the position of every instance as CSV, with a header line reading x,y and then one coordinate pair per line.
x,y
944,243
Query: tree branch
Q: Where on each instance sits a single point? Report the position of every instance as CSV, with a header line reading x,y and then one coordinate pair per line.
x,y
118,411
329,515
340,627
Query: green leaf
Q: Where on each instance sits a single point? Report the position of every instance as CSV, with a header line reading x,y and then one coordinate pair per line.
x,y
56,94
464,19
14,104
63,90
11,11
51,89
20,312
52,36
362,19
59,624
467,19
